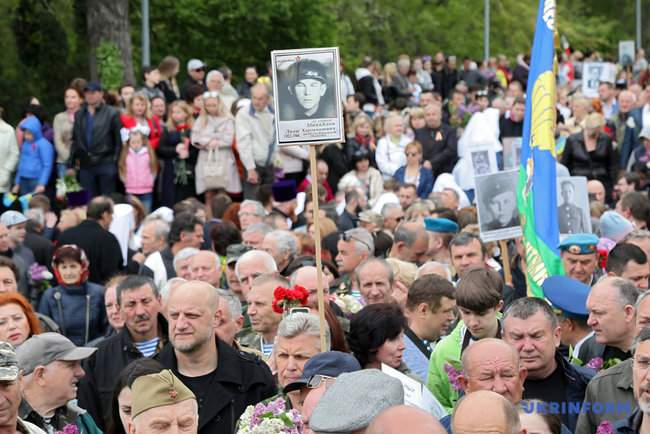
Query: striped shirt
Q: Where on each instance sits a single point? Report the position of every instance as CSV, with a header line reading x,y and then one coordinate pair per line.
x,y
147,348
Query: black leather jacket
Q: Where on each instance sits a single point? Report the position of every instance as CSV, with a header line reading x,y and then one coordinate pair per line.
x,y
106,141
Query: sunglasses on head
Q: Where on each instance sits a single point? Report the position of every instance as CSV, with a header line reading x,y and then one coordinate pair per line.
x,y
347,238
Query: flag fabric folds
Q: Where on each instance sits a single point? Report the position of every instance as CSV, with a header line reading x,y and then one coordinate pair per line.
x,y
536,189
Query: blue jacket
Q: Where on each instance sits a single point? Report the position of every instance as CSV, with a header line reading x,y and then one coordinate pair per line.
x,y
424,187
78,310
37,156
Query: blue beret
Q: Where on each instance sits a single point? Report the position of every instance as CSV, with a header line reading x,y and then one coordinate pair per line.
x,y
568,295
441,225
580,244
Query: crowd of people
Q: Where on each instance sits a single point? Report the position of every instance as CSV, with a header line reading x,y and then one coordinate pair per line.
x,y
158,272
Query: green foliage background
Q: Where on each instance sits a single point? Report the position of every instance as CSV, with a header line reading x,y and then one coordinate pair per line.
x,y
44,42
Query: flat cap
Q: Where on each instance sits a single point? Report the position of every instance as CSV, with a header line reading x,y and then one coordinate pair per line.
x,y
579,244
354,400
441,225
234,252
43,349
157,390
567,295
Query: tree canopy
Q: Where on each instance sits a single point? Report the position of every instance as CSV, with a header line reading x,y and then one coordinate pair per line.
x,y
45,42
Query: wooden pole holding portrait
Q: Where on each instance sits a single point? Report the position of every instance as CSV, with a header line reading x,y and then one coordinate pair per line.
x,y
308,112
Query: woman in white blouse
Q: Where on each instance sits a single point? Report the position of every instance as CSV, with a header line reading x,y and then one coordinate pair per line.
x,y
390,148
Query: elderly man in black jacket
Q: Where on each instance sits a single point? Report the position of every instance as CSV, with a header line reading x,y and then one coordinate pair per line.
x,y
144,333
224,380
96,142
439,142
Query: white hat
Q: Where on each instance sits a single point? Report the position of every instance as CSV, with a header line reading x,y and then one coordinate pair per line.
x,y
194,64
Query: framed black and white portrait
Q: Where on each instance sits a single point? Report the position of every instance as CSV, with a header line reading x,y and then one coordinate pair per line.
x,y
496,203
573,215
306,90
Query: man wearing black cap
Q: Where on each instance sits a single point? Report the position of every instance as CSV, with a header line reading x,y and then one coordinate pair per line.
x,y
284,196
308,88
96,142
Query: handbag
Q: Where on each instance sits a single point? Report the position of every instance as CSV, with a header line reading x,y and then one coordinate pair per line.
x,y
214,172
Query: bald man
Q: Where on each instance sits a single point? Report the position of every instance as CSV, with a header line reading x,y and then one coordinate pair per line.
x,y
597,190
402,419
486,412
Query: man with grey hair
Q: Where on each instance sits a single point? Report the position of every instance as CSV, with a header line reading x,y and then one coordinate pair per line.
x,y
297,341
531,326
232,318
282,246
143,335
256,145
254,235
354,246
206,267
485,408
250,212
611,309
182,261
393,215
411,243
640,238
153,237
375,279
614,384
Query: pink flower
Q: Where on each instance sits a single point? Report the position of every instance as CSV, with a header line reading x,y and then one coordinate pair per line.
x,y
453,374
596,363
69,429
605,428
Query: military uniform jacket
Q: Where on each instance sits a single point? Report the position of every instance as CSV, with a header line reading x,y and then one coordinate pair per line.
x,y
570,219
240,380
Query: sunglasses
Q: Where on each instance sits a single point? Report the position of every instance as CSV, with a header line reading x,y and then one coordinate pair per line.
x,y
199,70
317,380
347,238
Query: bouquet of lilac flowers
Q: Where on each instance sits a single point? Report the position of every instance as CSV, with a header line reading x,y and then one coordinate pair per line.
x,y
39,276
272,418
452,375
605,428
68,429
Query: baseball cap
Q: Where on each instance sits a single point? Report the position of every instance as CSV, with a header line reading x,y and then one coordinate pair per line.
x,y
43,349
8,362
195,64
93,86
12,218
329,363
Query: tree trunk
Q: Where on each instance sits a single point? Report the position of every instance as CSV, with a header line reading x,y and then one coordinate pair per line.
x,y
109,21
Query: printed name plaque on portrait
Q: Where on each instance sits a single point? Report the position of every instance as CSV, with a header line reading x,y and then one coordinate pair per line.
x,y
496,203
573,214
306,93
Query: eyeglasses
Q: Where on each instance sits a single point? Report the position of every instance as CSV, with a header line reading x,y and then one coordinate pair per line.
x,y
211,94
317,380
347,238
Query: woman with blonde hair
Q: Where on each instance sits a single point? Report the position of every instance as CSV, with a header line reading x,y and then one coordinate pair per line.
x,y
363,138
177,155
213,133
390,154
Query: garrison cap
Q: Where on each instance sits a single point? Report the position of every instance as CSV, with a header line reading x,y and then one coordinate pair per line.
x,y
158,390
8,362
